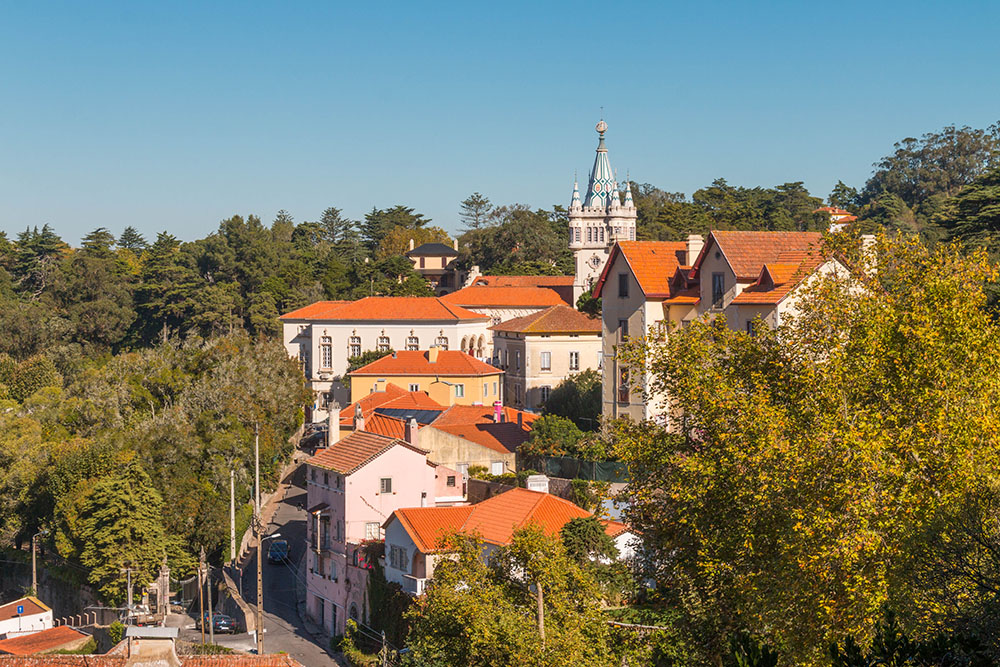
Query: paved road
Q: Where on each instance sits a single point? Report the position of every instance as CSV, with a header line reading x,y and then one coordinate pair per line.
x,y
284,630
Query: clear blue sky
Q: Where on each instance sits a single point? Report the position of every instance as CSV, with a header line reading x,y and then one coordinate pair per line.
x,y
176,115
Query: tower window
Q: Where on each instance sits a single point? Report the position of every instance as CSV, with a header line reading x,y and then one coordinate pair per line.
x,y
601,230
623,285
579,234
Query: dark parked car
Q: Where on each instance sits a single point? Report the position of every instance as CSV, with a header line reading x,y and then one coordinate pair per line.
x,y
278,551
223,623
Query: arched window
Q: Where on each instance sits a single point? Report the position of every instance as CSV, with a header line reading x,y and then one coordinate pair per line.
x,y
383,344
354,346
326,352
412,343
442,342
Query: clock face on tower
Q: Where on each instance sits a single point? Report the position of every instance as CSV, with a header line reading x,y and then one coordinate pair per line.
x,y
595,261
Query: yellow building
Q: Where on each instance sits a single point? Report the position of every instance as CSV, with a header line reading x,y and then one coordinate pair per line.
x,y
449,377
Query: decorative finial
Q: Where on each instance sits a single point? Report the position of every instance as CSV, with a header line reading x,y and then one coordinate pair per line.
x,y
601,127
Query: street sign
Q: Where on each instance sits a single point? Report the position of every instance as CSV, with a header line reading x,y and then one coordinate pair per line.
x,y
20,609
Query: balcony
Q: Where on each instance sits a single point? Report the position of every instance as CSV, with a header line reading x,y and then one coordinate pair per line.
x,y
414,585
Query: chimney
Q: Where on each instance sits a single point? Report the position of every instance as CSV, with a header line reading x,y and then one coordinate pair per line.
x,y
695,243
333,423
520,419
411,244
455,244
432,354
359,420
410,432
497,411
537,483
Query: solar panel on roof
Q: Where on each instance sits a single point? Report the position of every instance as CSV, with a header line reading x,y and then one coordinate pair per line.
x,y
422,416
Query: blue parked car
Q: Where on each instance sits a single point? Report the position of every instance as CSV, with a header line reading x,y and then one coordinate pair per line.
x,y
278,551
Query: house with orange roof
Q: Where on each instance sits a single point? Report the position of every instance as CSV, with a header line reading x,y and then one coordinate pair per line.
x,y
24,616
538,351
60,638
449,377
413,535
436,263
352,487
504,302
389,402
324,335
746,276
839,218
563,285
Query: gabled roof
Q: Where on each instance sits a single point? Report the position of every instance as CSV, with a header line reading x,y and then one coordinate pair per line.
x,y
355,451
391,397
32,606
417,362
476,423
748,252
653,264
402,308
504,297
384,425
494,520
525,281
432,249
45,640
555,319
777,279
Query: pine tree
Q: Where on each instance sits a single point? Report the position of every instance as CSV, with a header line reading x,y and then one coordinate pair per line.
x,y
475,211
132,240
336,228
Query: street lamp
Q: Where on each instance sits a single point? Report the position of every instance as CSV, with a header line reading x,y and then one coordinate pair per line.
x,y
260,586
34,569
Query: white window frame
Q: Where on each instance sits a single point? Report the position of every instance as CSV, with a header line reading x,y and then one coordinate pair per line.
x,y
372,530
354,346
459,391
574,361
385,485
414,386
496,467
412,343
326,352
545,361
383,344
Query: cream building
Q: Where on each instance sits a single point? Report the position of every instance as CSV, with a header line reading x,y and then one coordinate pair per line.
x,y
599,220
324,335
750,277
502,303
539,351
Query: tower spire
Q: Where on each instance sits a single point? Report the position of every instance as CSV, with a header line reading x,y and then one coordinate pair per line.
x,y
601,177
575,203
628,191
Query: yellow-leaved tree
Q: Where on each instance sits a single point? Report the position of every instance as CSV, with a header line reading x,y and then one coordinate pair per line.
x,y
844,463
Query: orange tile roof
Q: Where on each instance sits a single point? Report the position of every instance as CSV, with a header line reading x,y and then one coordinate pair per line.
x,y
748,252
475,423
392,397
32,606
494,520
404,308
355,451
320,310
389,427
653,264
504,297
832,210
417,362
63,660
689,296
555,319
273,660
525,281
777,279
45,640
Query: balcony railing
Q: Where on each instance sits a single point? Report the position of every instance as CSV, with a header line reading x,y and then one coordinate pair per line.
x,y
414,585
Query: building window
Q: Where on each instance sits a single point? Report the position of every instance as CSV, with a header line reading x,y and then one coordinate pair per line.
x,y
354,346
517,394
459,391
623,389
602,234
546,361
463,469
326,352
631,233
450,481
590,234
718,289
750,327
422,262
442,342
486,389
517,361
412,343
397,558
385,485
496,468
326,479
495,390
383,344
545,393
371,531
574,361
578,234
623,285
622,331
414,387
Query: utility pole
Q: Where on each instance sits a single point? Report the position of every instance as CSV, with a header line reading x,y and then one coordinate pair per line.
x,y
34,566
201,595
128,593
232,517
256,466
208,594
541,611
260,585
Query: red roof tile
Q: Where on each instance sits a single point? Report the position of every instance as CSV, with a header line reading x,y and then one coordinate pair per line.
x,y
748,252
32,606
62,660
556,319
504,297
403,308
355,451
475,423
45,640
653,264
389,427
494,519
417,362
525,281
777,279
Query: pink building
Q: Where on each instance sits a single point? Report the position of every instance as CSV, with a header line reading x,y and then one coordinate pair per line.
x,y
353,487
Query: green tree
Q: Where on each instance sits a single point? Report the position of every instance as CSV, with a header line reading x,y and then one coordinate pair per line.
x,y
132,240
336,228
578,398
816,458
379,222
588,305
586,540
552,435
844,196
475,211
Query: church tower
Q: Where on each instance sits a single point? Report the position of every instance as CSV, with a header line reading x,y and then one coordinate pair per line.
x,y
599,220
